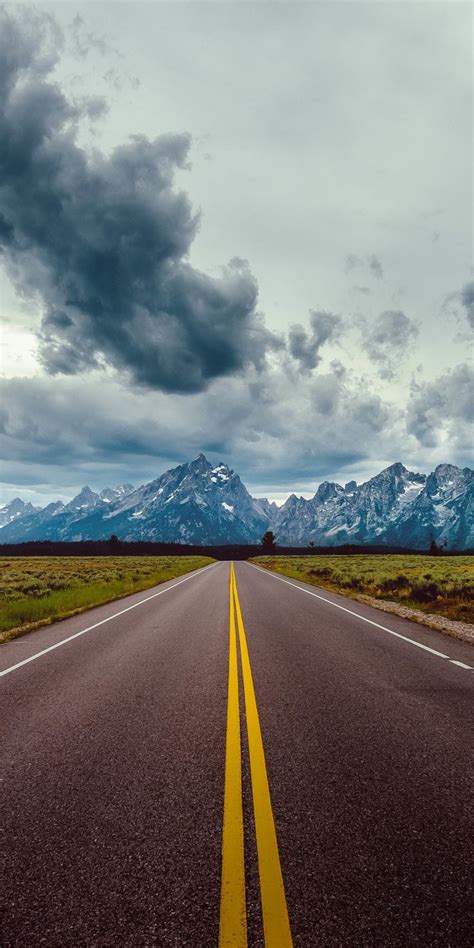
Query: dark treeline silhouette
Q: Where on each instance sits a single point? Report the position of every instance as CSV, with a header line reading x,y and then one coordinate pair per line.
x,y
116,547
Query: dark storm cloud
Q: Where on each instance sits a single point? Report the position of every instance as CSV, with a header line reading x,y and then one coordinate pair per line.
x,y
445,403
305,347
467,299
388,339
104,240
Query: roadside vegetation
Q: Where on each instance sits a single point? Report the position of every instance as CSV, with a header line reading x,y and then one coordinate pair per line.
x,y
38,590
440,585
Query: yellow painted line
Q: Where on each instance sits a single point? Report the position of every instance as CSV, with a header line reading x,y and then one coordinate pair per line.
x,y
233,914
276,923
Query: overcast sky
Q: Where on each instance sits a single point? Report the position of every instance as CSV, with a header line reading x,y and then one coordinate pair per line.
x,y
243,228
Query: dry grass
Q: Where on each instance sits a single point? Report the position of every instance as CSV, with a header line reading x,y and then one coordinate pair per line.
x,y
439,585
38,590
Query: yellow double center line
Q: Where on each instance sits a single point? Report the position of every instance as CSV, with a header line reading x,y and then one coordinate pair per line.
x,y
233,911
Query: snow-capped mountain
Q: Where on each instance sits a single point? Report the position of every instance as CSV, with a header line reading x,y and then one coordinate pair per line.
x,y
192,503
351,514
201,503
15,510
445,508
55,521
397,506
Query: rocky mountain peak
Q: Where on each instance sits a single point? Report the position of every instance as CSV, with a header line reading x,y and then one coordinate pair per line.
x,y
326,491
109,494
290,503
395,470
14,510
199,464
15,505
85,498
446,472
448,479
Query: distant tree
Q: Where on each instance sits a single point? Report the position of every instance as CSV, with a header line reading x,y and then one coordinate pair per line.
x,y
114,544
268,542
311,544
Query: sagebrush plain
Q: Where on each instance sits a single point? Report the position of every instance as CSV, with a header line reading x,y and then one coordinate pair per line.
x,y
440,585
35,591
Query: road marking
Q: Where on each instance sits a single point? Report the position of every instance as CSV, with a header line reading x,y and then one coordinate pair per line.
x,y
233,912
96,625
274,909
357,615
460,664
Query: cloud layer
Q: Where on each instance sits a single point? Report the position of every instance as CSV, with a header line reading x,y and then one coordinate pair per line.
x,y
274,427
147,360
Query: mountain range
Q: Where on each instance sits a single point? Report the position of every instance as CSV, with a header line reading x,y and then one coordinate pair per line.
x,y
202,503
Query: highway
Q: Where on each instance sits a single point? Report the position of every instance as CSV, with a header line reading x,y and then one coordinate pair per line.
x,y
236,759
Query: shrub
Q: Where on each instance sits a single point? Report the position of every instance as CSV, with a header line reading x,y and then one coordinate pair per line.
x,y
390,585
425,592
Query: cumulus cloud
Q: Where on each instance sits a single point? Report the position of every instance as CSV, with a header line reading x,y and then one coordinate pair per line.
x,y
443,407
104,240
386,341
305,346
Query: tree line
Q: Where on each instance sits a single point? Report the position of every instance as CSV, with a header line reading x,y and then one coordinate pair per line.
x,y
235,551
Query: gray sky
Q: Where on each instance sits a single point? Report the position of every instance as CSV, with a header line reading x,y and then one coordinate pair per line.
x,y
329,145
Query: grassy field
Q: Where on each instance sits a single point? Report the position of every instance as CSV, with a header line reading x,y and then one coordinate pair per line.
x,y
37,590
441,585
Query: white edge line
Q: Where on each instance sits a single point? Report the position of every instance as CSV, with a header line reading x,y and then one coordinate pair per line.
x,y
460,664
357,615
197,572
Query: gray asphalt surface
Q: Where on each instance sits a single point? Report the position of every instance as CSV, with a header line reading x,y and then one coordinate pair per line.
x,y
113,752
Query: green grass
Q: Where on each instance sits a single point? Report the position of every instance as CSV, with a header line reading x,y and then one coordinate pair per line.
x,y
441,585
37,590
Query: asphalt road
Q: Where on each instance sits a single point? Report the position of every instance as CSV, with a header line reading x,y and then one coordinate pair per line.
x,y
119,747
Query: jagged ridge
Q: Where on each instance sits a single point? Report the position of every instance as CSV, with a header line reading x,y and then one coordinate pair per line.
x,y
201,503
